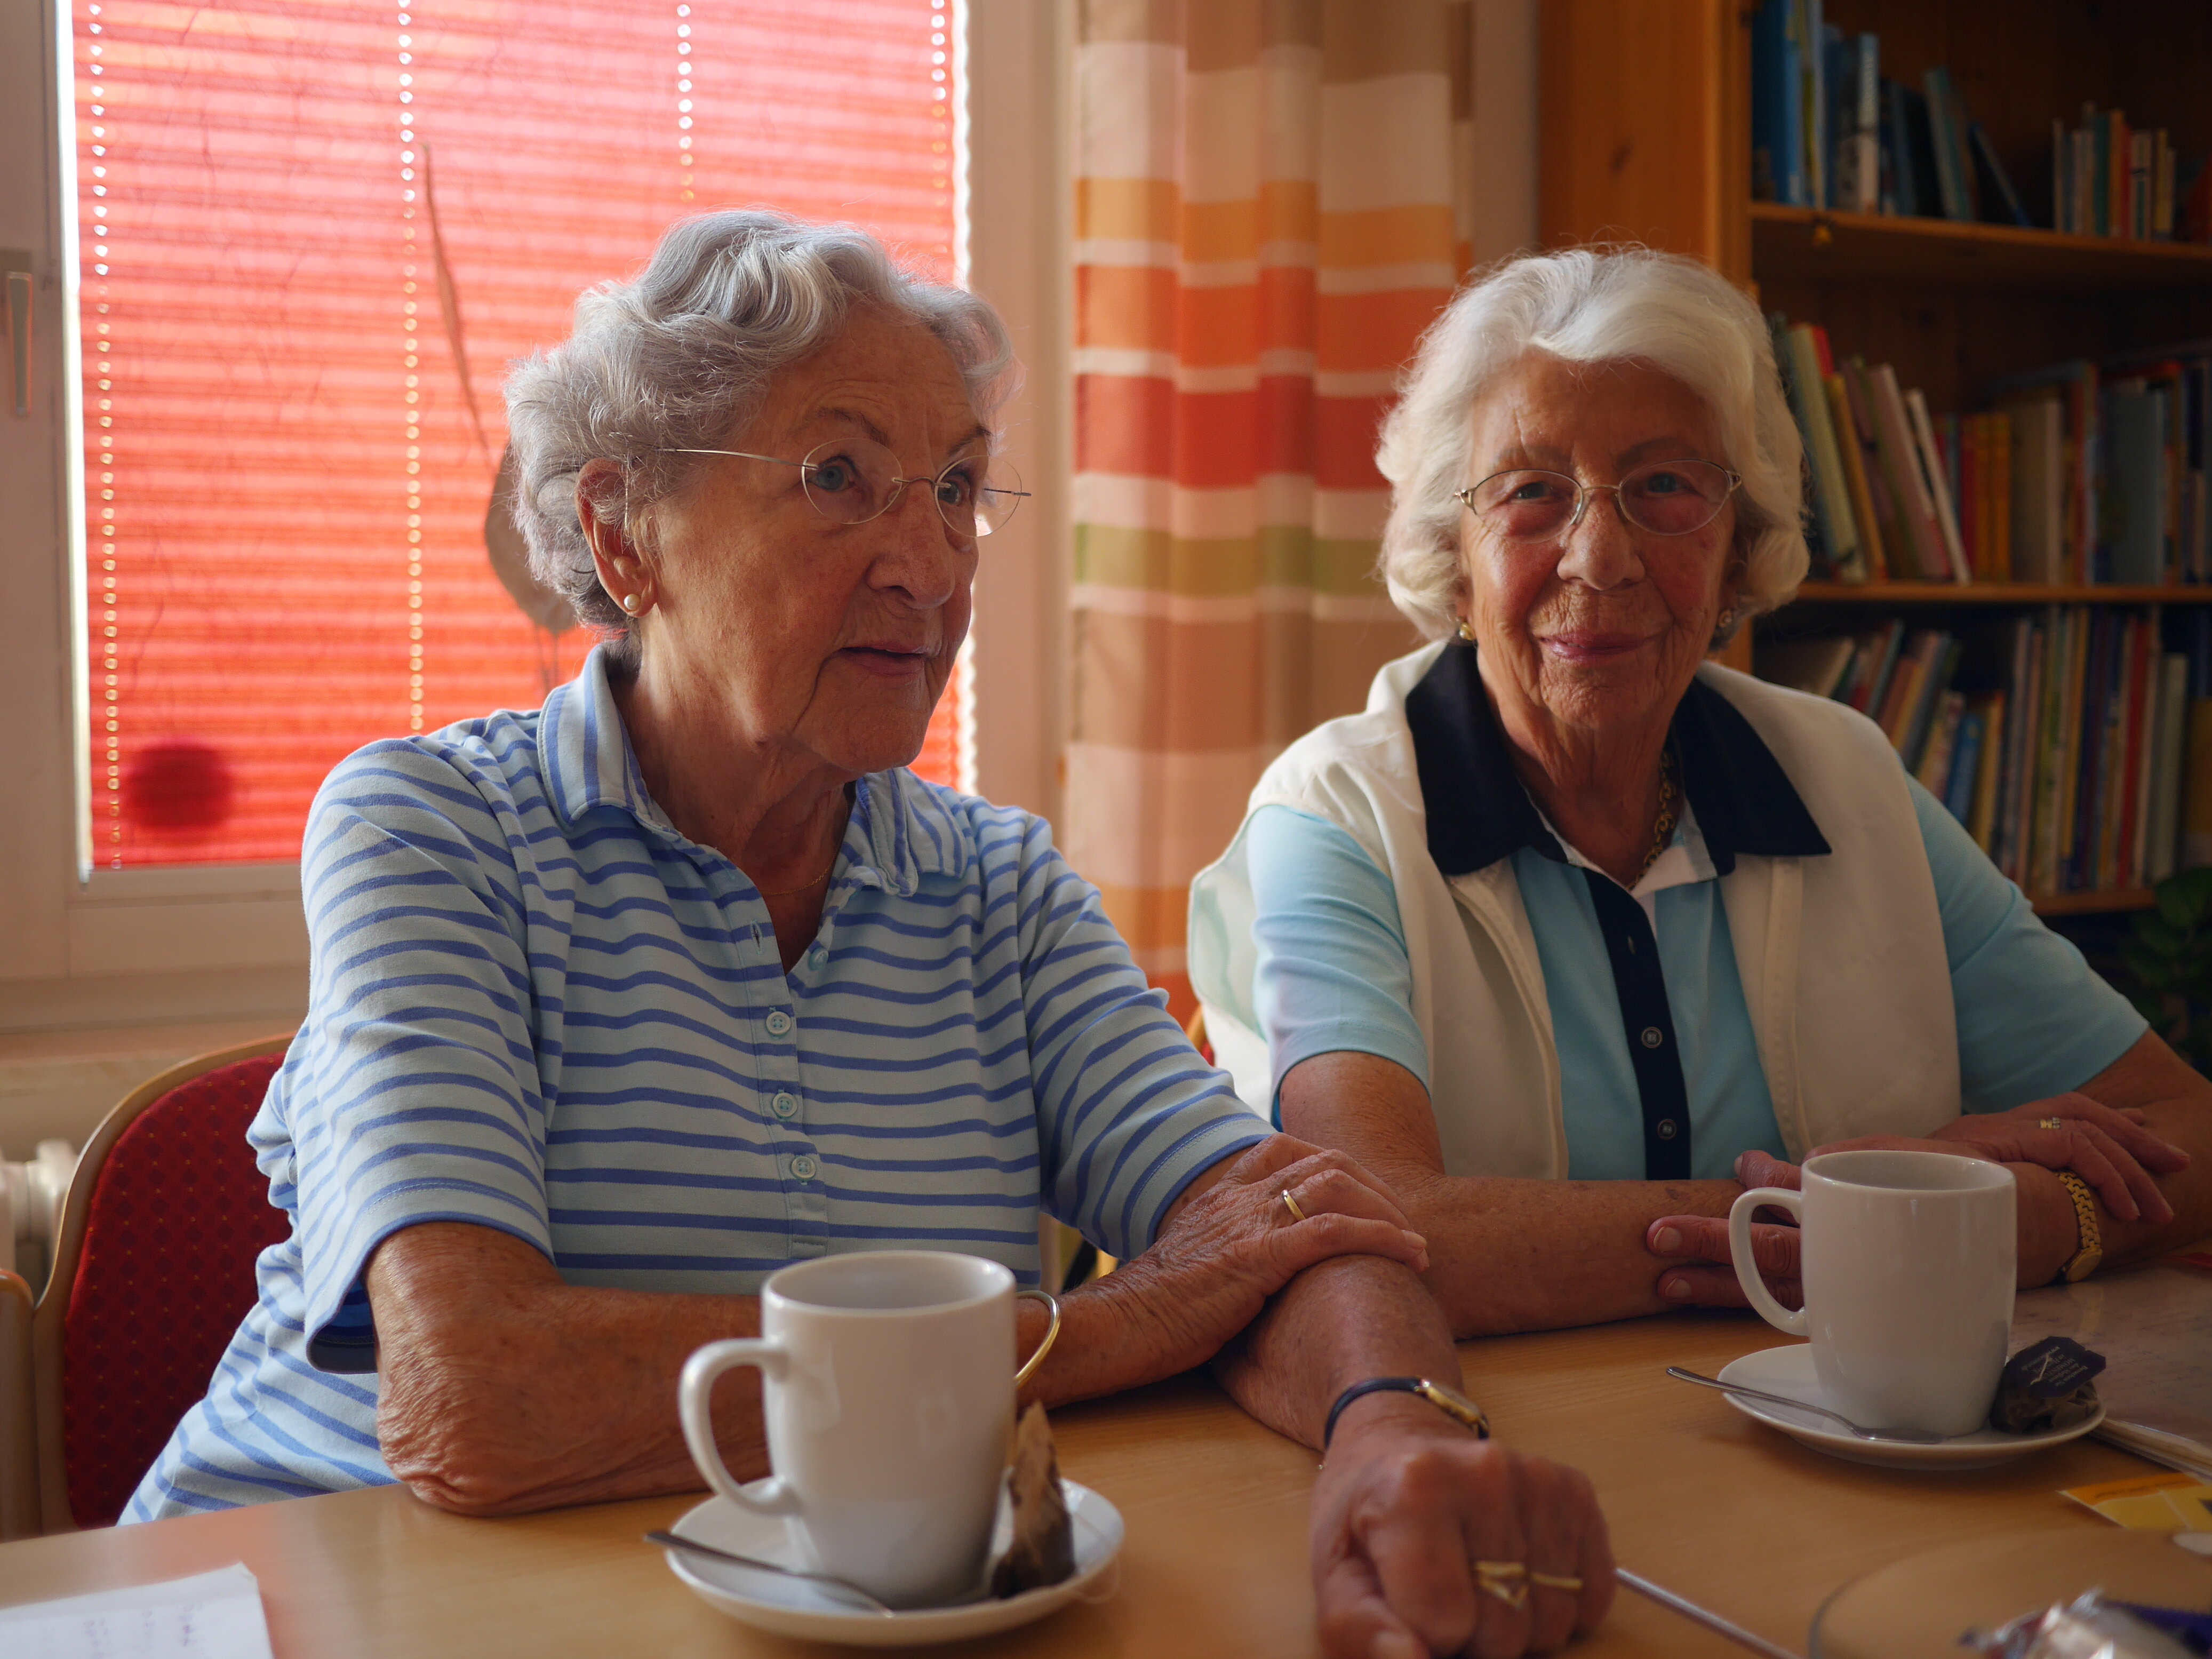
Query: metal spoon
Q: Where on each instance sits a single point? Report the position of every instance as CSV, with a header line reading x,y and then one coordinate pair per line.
x,y
1909,1437
670,1540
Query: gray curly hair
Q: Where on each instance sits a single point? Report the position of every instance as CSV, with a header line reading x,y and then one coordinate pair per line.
x,y
683,355
1588,306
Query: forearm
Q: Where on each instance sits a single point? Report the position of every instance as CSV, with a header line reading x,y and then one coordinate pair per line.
x,y
1505,1255
1335,1324
1109,1341
504,1389
1532,1255
2176,1104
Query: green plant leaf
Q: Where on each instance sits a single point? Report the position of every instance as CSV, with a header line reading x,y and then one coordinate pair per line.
x,y
2152,974
2156,934
2196,886
2179,907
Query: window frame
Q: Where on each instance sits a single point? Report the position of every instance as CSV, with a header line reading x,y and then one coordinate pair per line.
x,y
87,948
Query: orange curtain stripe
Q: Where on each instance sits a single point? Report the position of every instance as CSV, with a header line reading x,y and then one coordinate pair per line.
x,y
1268,204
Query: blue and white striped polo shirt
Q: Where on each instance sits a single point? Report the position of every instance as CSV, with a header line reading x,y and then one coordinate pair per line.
x,y
535,1005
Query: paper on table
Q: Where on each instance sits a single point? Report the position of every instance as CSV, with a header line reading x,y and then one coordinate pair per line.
x,y
2154,1326
214,1615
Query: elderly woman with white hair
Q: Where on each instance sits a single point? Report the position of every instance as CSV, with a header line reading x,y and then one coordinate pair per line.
x,y
1573,934
620,1005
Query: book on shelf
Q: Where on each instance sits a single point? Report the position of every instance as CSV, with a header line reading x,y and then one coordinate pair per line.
x,y
2108,178
1955,174
1798,353
1828,131
1855,115
2073,743
1997,180
2076,474
1932,464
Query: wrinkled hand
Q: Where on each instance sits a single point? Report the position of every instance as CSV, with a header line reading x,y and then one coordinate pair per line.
x,y
1234,1245
2111,1150
1408,1501
1690,1243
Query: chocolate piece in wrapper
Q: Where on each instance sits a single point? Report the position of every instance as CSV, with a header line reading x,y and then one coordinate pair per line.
x,y
2050,1384
1043,1550
2088,1628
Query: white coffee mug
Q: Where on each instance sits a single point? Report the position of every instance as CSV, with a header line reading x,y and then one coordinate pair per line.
x,y
1907,1267
888,1386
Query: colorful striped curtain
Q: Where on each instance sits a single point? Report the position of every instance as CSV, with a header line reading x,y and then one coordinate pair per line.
x,y
1270,207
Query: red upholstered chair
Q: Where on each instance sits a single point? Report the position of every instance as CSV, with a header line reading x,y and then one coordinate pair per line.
x,y
1198,1040
153,1270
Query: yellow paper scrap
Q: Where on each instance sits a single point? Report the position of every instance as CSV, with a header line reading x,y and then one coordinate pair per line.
x,y
2154,1502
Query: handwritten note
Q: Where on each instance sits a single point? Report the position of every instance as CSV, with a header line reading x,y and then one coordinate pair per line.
x,y
216,1616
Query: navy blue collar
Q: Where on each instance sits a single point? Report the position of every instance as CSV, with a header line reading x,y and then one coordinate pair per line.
x,y
1479,813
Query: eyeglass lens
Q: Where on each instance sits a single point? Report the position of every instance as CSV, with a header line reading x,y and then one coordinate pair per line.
x,y
1668,498
852,480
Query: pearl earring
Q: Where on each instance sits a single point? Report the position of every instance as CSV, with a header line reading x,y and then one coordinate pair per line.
x,y
629,602
1465,632
1726,617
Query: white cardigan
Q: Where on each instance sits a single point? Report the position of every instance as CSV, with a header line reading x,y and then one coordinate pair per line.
x,y
1841,957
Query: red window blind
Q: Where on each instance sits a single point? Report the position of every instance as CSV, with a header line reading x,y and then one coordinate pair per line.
x,y
313,236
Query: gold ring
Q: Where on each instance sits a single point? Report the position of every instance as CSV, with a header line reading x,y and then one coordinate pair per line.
x,y
2050,1123
1292,1205
1504,1580
1555,1581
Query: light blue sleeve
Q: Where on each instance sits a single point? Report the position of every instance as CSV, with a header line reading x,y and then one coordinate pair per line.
x,y
412,1092
2034,1018
1127,1115
1332,974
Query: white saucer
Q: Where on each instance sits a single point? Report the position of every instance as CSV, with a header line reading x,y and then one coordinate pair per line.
x,y
1789,1370
793,1607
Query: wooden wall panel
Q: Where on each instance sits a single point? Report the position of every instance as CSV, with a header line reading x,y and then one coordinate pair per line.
x,y
1643,139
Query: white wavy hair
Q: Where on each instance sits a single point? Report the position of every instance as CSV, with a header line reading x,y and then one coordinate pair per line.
x,y
1590,305
682,355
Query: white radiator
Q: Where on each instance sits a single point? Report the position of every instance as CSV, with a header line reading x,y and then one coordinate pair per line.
x,y
31,1209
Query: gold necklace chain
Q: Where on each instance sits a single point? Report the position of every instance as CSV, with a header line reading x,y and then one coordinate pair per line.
x,y
1663,830
787,892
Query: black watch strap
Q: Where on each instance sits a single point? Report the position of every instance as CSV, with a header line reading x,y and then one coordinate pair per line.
x,y
1449,1401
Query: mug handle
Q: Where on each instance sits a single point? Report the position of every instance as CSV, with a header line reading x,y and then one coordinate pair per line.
x,y
1746,1268
693,1394
1051,1334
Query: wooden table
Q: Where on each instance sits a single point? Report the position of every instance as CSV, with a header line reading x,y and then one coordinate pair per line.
x,y
1701,1499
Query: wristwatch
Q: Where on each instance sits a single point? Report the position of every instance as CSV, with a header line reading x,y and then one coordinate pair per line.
x,y
1451,1401
2091,1256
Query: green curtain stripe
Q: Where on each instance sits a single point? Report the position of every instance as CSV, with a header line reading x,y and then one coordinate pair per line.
x,y
1278,556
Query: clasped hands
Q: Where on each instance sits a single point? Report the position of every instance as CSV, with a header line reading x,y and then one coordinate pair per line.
x,y
2107,1148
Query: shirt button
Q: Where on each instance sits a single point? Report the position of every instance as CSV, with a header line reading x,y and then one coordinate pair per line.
x,y
779,1022
804,1167
816,957
1651,1037
1666,1129
785,1105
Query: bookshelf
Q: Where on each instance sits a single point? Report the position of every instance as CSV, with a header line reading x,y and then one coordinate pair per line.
x,y
1813,245
1646,136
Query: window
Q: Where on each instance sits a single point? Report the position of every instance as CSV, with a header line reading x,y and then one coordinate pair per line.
x,y
310,239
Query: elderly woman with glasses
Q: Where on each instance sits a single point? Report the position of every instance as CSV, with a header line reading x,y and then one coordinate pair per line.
x,y
1574,934
620,1005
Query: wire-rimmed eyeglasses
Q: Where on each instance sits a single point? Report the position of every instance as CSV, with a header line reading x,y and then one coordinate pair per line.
x,y
851,480
1666,498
